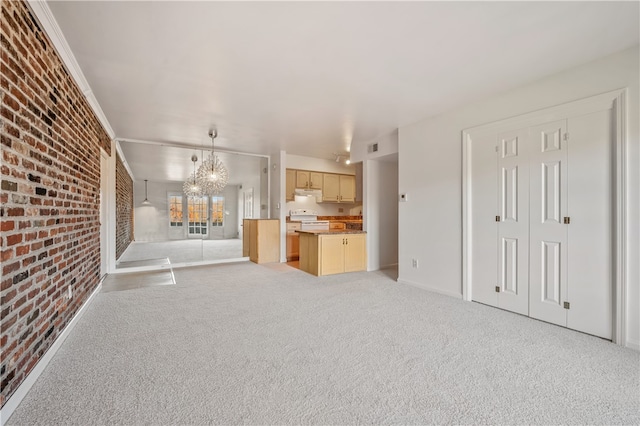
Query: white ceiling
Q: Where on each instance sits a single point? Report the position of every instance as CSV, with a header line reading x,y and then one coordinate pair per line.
x,y
311,77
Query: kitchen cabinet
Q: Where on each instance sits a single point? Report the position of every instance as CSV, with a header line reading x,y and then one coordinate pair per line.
x,y
293,241
261,240
308,180
291,184
347,188
337,225
332,253
338,188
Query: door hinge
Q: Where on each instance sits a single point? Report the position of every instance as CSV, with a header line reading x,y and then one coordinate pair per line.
x,y
497,289
497,218
567,220
566,136
567,305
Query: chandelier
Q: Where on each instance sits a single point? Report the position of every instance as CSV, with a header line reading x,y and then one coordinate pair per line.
x,y
212,175
191,188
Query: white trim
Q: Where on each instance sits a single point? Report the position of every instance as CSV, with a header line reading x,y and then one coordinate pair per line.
x,y
429,288
614,101
50,26
620,244
14,401
190,146
177,265
466,218
632,344
124,160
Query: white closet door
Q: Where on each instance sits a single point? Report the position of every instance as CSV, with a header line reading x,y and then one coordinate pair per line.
x,y
513,228
548,233
484,235
590,231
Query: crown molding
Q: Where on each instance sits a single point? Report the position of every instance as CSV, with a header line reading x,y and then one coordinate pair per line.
x,y
50,26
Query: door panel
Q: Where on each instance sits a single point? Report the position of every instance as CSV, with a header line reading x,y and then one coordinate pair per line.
x,y
355,253
591,198
513,228
484,228
548,233
331,254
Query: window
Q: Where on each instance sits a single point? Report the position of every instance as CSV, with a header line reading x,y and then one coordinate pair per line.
x,y
217,211
175,210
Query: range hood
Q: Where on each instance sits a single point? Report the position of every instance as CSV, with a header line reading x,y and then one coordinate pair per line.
x,y
309,193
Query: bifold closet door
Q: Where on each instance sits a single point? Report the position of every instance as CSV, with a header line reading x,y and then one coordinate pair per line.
x,y
484,241
590,232
513,221
548,232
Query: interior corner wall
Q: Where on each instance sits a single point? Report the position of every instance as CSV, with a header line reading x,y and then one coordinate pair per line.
x,y
124,207
50,214
430,159
381,213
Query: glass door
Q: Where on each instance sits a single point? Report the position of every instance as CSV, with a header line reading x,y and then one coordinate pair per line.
x,y
198,217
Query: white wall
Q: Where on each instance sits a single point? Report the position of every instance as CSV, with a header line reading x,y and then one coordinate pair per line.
x,y
151,223
381,215
430,160
319,164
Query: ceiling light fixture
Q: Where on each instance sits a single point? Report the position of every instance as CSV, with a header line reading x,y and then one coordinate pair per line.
x,y
191,188
146,201
212,175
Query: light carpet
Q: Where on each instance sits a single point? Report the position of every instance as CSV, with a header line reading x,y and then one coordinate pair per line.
x,y
250,344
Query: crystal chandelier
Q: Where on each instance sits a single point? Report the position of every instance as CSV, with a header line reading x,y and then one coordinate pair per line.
x,y
191,188
212,175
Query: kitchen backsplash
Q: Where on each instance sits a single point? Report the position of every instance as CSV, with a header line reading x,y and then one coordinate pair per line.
x,y
326,209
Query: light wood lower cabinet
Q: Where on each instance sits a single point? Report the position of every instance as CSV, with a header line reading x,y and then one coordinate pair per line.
x,y
293,241
261,240
327,254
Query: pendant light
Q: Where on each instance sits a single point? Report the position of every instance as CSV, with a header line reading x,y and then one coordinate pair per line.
x,y
191,188
212,175
146,201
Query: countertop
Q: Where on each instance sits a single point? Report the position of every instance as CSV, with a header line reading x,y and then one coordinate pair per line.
x,y
333,231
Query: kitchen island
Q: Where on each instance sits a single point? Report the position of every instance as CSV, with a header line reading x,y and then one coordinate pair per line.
x,y
333,251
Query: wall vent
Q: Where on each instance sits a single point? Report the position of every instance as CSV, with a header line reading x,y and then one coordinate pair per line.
x,y
373,147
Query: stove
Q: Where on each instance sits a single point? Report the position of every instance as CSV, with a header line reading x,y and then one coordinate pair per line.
x,y
308,220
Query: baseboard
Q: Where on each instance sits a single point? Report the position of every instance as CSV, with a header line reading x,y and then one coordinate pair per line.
x,y
632,344
12,403
430,288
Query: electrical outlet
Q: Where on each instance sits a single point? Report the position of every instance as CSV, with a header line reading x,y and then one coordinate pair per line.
x,y
415,263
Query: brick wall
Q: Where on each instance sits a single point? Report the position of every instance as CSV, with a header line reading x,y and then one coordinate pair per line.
x,y
49,215
124,207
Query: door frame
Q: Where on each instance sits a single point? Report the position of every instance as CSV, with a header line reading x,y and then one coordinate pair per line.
x,y
614,101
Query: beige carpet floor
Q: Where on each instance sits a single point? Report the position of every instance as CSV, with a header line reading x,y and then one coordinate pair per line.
x,y
249,344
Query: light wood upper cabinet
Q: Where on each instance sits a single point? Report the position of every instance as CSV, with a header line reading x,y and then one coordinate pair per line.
x,y
335,187
339,188
315,180
308,180
330,187
302,179
291,184
347,188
